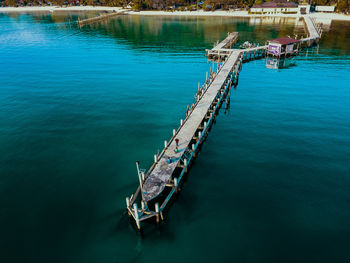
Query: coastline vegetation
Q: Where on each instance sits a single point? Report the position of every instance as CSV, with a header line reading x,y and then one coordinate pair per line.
x,y
342,6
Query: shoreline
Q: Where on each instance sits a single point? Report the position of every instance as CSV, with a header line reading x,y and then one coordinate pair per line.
x,y
57,8
327,16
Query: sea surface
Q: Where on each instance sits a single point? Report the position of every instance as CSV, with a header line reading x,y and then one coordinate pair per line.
x,y
79,106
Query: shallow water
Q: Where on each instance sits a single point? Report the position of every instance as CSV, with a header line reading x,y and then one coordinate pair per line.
x,y
78,107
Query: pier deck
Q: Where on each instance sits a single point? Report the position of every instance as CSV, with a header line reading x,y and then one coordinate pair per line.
x,y
314,30
224,46
99,18
228,41
162,172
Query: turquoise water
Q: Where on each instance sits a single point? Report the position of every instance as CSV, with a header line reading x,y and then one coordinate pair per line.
x,y
78,107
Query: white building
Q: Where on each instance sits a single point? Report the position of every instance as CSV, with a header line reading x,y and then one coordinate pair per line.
x,y
326,9
280,7
275,8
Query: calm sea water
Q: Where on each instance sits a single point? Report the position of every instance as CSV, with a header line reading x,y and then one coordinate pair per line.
x,y
78,107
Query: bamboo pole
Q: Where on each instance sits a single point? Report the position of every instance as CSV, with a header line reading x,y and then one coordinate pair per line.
x,y
139,175
137,220
175,185
127,199
156,208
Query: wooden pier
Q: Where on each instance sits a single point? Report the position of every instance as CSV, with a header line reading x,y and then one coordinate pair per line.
x,y
314,31
170,165
253,53
223,48
98,18
158,185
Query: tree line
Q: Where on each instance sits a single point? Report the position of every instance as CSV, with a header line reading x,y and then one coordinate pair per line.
x,y
342,6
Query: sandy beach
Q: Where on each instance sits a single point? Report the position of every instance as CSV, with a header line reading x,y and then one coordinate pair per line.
x,y
58,8
319,16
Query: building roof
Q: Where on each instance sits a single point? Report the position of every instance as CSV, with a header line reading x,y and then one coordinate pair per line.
x,y
284,40
276,4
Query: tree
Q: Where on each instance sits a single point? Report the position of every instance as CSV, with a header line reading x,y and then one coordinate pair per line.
x,y
10,3
343,6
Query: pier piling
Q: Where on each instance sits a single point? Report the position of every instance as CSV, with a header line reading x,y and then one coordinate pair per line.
x,y
156,207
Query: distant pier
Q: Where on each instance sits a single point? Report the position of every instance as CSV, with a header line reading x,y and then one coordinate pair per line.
x,y
314,31
98,18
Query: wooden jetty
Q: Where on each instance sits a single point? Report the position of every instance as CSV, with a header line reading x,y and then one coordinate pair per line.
x,y
223,48
100,17
170,165
287,46
249,53
253,53
158,185
314,31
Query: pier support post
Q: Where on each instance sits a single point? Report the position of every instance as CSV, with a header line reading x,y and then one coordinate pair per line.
x,y
156,208
139,174
175,185
128,204
137,220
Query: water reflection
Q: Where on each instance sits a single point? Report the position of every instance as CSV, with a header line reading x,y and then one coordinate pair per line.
x,y
156,33
279,63
192,33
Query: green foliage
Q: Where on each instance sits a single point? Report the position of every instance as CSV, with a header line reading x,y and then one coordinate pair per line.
x,y
343,6
9,3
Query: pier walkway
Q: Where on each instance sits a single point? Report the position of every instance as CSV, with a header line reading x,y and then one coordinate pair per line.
x,y
162,180
191,133
224,47
162,172
314,30
99,18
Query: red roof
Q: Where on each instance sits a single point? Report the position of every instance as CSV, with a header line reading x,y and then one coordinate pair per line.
x,y
284,40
